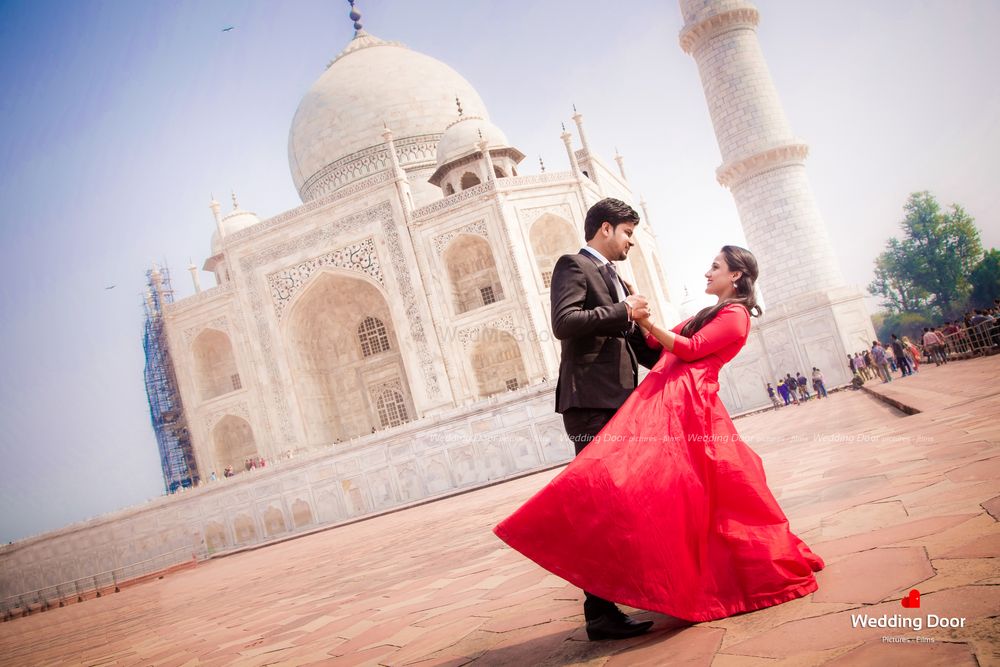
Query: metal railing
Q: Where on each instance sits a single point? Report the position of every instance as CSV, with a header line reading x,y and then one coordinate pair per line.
x,y
980,340
94,585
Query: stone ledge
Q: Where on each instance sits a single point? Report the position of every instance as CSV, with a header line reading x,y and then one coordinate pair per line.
x,y
899,405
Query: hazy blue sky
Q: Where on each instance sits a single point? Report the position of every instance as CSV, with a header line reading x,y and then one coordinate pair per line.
x,y
119,119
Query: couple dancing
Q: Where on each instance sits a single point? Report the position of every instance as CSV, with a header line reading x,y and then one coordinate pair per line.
x,y
664,507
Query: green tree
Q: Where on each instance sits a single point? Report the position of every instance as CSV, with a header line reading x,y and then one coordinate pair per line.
x,y
928,269
902,324
894,279
985,280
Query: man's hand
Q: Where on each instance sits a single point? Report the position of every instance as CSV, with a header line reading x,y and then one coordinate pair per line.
x,y
638,307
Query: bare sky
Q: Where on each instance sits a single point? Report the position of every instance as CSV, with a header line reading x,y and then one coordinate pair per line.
x,y
118,120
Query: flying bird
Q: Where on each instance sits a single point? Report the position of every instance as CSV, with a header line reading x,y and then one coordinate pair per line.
x,y
228,28
110,287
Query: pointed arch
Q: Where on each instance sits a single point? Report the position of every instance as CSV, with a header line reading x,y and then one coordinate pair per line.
x,y
234,443
215,364
469,180
372,336
473,273
551,236
391,407
497,363
340,339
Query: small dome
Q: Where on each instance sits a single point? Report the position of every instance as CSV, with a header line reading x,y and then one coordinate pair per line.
x,y
234,221
463,136
237,220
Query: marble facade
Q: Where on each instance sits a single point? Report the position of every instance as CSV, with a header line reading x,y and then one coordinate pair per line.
x,y
412,280
459,449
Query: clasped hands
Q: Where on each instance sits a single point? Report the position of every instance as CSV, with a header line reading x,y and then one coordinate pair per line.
x,y
639,308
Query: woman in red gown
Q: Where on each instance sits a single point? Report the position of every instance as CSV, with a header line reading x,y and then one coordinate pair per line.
x,y
667,509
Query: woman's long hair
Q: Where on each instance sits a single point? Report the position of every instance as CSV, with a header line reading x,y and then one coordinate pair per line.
x,y
737,259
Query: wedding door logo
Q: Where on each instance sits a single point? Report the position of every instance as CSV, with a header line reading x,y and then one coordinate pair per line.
x,y
907,621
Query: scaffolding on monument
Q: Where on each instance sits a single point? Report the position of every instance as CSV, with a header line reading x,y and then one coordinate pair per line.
x,y
165,408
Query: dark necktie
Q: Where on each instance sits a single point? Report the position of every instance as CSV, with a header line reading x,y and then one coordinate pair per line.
x,y
619,288
619,295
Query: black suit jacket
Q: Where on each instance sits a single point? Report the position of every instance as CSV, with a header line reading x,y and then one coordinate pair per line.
x,y
601,348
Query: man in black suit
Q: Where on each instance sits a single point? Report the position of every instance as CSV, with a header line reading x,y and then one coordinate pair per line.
x,y
593,314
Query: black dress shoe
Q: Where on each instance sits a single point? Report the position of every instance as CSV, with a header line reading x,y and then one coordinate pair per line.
x,y
617,626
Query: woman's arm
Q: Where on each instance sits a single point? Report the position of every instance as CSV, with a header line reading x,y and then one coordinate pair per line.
x,y
729,325
657,337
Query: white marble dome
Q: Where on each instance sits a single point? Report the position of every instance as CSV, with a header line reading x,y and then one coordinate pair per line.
x,y
237,220
463,136
371,83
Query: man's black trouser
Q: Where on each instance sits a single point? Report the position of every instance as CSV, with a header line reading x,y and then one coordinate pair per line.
x,y
582,424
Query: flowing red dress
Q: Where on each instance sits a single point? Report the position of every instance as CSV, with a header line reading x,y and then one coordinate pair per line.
x,y
668,509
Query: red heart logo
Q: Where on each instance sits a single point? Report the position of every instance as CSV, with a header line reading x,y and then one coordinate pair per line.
x,y
912,601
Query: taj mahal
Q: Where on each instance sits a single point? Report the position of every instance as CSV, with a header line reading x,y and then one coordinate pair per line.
x,y
411,282
388,340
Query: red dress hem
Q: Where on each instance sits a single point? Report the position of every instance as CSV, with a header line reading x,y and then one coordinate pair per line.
x,y
620,596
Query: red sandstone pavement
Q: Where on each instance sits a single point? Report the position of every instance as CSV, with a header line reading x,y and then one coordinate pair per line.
x,y
892,502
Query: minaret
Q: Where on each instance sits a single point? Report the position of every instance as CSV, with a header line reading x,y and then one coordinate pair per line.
x,y
483,146
399,176
574,166
194,276
621,163
811,317
216,214
578,119
567,138
763,163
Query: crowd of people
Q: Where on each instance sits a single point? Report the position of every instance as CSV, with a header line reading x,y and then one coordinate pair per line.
x,y
795,390
883,359
978,332
250,463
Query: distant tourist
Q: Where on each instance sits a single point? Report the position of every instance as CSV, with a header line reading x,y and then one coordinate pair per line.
x,y
818,385
901,359
863,369
934,344
793,390
783,391
803,383
770,394
881,362
869,363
